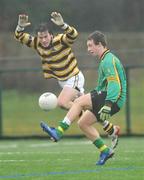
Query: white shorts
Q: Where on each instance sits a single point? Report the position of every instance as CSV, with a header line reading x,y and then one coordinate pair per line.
x,y
76,82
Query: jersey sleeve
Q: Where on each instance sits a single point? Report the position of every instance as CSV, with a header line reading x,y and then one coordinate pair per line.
x,y
69,35
26,39
113,80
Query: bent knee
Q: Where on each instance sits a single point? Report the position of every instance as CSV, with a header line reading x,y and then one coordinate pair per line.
x,y
76,101
81,124
63,104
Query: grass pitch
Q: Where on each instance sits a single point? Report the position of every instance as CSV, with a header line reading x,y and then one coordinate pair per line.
x,y
21,115
69,159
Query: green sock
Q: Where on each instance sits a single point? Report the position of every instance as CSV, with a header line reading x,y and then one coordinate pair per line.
x,y
61,128
99,143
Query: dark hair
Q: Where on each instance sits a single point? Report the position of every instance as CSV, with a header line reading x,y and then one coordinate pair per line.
x,y
98,37
43,27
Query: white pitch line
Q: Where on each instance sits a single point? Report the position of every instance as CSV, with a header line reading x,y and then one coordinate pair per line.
x,y
41,152
21,160
48,144
42,145
63,143
35,145
8,146
132,151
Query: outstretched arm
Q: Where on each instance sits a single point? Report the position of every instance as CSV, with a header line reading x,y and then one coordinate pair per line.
x,y
21,36
70,32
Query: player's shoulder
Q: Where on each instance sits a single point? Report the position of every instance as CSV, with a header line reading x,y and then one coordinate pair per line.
x,y
57,37
108,60
110,57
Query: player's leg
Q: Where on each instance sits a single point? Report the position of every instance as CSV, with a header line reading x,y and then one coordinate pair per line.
x,y
86,125
71,89
112,130
86,122
66,97
98,100
81,103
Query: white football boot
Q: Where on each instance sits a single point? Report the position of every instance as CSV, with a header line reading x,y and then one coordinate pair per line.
x,y
114,137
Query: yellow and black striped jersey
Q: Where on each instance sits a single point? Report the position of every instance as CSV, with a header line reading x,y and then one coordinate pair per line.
x,y
58,60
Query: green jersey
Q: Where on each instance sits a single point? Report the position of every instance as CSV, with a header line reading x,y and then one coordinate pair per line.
x,y
112,78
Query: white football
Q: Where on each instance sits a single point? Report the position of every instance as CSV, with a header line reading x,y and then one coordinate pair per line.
x,y
48,101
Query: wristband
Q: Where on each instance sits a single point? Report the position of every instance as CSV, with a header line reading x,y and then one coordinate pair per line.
x,y
64,26
19,28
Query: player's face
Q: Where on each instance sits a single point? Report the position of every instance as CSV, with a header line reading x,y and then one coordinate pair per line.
x,y
92,48
44,38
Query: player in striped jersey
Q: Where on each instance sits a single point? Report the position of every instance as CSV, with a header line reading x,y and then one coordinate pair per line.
x,y
57,57
104,101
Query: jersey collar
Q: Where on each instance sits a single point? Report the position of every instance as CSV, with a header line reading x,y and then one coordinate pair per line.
x,y
104,53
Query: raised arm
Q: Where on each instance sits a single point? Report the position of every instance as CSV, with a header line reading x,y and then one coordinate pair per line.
x,y
23,37
70,34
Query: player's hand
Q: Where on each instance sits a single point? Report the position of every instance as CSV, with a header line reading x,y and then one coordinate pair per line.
x,y
105,113
23,21
57,18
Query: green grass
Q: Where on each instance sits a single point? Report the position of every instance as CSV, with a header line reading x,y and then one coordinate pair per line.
x,y
69,159
22,115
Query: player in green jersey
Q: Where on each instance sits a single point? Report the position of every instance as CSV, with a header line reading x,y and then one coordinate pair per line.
x,y
101,103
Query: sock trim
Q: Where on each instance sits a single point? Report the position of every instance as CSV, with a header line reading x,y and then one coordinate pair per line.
x,y
67,121
108,128
103,148
60,129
